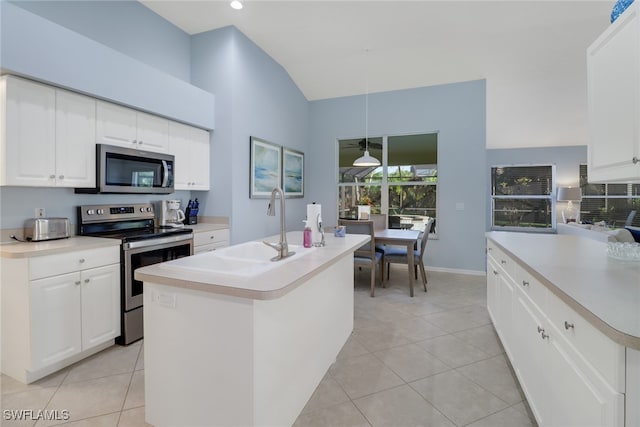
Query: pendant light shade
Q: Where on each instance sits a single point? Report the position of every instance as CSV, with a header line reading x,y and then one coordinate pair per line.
x,y
366,159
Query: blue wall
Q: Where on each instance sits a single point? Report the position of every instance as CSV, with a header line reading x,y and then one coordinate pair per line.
x,y
458,113
255,96
126,26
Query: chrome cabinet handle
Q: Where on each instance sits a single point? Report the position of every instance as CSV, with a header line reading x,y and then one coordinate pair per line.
x,y
52,176
77,282
540,329
503,261
568,325
495,272
525,283
212,237
86,280
81,260
140,142
544,336
489,249
635,160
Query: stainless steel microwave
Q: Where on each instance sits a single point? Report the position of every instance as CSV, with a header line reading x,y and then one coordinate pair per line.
x,y
125,170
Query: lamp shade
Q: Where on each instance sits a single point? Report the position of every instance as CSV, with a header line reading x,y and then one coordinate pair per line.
x,y
569,194
366,160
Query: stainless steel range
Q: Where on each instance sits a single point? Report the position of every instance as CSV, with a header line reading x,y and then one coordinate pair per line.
x,y
143,243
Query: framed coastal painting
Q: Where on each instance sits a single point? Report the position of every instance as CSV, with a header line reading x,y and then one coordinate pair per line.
x,y
265,169
292,173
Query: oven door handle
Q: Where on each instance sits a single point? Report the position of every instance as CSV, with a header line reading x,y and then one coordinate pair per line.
x,y
157,241
165,177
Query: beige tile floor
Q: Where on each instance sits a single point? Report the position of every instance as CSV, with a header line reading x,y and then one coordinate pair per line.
x,y
431,360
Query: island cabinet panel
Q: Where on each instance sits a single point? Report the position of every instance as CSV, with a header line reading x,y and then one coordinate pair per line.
x,y
215,359
571,373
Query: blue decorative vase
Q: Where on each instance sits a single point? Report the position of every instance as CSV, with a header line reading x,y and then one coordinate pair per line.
x,y
618,8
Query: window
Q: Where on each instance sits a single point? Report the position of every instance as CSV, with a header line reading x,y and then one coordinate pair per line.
x,y
610,203
522,198
404,186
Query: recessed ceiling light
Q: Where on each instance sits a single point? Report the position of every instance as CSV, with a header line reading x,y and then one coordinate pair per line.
x,y
236,4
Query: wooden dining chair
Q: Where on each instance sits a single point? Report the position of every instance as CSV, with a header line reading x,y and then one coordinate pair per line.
x,y
366,254
398,255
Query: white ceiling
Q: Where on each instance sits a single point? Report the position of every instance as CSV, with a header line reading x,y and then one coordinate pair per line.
x,y
532,53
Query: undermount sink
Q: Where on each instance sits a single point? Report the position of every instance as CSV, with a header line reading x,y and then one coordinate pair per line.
x,y
243,260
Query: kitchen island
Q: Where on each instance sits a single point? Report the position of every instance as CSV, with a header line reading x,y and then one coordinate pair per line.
x,y
568,317
228,343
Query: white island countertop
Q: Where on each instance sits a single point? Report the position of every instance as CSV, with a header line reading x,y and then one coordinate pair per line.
x,y
270,284
603,290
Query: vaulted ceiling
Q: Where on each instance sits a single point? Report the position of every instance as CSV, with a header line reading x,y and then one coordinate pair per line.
x,y
531,53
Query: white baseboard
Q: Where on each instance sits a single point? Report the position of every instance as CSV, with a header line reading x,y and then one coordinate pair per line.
x,y
456,271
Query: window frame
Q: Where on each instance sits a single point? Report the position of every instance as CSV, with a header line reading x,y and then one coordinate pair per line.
x,y
551,197
384,183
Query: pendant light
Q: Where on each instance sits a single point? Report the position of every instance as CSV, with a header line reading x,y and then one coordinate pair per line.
x,y
366,160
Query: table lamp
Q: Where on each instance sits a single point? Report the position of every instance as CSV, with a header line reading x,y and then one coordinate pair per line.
x,y
570,195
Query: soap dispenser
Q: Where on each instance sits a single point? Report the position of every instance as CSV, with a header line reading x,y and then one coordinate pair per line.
x,y
306,239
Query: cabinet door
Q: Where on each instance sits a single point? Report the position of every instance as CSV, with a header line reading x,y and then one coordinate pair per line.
x,y
55,318
200,159
153,133
530,354
180,144
115,125
613,69
100,305
75,147
505,300
29,138
580,397
492,292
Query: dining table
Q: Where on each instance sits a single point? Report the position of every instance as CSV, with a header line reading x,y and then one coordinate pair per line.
x,y
400,237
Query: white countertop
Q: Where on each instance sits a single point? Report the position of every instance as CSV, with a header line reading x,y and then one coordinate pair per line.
x,y
207,226
49,247
267,285
577,269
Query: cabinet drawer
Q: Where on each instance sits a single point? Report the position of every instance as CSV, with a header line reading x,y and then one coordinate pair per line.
x,y
210,247
208,237
501,259
531,287
605,356
52,265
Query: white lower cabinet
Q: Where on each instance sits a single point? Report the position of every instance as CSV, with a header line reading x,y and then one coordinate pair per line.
x,y
571,373
58,309
206,241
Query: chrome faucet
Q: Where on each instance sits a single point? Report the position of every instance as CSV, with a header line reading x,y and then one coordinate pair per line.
x,y
282,247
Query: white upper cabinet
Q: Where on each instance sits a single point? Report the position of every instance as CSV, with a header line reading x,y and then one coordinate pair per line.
x,y
75,149
190,146
47,136
613,72
27,133
125,127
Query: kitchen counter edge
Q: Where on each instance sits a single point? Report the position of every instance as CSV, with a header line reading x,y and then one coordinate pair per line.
x,y
50,247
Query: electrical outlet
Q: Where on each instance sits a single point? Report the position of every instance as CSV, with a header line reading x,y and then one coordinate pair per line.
x,y
40,213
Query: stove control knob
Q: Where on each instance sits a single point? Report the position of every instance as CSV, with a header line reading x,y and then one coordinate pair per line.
x,y
90,211
100,211
141,209
149,209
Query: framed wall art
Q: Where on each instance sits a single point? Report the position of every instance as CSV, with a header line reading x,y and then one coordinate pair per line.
x,y
265,169
292,173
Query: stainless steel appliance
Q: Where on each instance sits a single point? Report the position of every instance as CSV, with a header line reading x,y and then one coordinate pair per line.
x,y
125,170
170,213
39,229
143,243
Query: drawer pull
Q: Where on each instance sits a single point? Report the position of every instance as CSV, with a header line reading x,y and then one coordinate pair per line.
x,y
77,282
81,260
503,261
540,329
86,280
544,336
525,283
212,237
495,272
489,249
568,325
